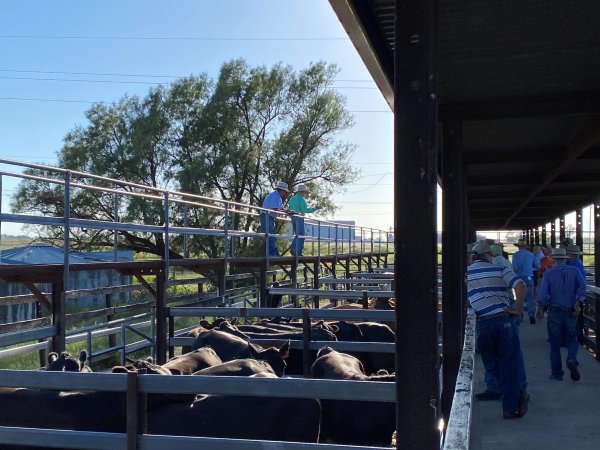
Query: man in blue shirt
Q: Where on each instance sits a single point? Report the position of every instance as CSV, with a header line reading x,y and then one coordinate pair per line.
x,y
524,262
574,253
562,293
273,202
496,331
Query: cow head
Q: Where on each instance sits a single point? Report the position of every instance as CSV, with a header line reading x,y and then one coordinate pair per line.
x,y
272,355
67,363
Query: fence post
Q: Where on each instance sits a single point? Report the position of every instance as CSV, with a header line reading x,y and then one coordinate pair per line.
x,y
58,316
596,212
306,329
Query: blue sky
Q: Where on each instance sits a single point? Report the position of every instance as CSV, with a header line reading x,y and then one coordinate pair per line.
x,y
43,41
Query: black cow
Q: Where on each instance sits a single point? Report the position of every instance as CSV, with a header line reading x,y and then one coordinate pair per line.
x,y
229,347
377,332
67,363
240,417
353,422
238,367
80,411
194,361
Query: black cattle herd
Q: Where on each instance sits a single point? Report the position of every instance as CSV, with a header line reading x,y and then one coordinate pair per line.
x,y
224,348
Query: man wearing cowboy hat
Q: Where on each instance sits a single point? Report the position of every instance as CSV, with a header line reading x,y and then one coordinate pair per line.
x,y
574,253
497,331
524,262
298,204
274,203
562,293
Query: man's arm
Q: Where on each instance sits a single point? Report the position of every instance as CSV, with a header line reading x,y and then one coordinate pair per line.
x,y
520,293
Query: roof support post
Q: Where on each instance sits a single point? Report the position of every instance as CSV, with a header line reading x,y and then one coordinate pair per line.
x,y
579,228
553,233
596,212
536,235
544,235
453,259
562,232
415,184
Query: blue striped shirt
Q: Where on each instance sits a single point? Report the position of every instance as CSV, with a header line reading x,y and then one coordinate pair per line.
x,y
487,287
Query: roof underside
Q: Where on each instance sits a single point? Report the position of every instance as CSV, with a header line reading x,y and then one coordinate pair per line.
x,y
524,77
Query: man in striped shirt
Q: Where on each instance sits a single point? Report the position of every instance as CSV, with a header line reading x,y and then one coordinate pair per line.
x,y
497,334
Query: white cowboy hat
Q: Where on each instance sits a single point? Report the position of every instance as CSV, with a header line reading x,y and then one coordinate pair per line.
x,y
281,185
301,188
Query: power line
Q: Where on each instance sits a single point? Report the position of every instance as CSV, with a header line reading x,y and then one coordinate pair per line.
x,y
58,100
169,38
111,74
80,80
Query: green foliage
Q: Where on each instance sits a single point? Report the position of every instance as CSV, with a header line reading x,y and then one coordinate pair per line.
x,y
230,139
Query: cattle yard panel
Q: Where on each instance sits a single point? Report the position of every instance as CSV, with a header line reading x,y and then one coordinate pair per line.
x,y
146,384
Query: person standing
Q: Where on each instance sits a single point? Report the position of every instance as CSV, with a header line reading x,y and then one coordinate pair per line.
x,y
574,253
298,204
496,331
524,263
274,203
562,294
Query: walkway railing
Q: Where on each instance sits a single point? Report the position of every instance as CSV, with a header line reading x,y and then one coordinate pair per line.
x,y
175,210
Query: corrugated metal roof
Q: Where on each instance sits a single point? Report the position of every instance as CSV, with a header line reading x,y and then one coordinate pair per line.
x,y
48,254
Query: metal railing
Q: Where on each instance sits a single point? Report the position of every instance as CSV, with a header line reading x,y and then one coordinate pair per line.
x,y
346,238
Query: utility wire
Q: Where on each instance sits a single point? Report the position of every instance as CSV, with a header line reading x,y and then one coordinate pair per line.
x,y
58,100
102,74
168,38
80,80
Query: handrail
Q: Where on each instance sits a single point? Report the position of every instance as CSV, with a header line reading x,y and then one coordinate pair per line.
x,y
458,431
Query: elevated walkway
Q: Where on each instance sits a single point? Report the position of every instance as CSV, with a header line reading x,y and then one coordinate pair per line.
x,y
562,414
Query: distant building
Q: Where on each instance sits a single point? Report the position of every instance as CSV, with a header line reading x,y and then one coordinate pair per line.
x,y
48,254
345,231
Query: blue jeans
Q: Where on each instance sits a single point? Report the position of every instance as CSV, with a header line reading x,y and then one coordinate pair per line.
x,y
562,326
267,223
529,298
298,241
500,350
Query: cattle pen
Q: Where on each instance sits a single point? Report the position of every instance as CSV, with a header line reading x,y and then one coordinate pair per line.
x,y
227,286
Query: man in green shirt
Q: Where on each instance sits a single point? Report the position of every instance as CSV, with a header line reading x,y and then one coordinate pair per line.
x,y
298,204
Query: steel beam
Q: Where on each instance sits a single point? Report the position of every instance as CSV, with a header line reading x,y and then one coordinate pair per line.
x,y
453,260
415,185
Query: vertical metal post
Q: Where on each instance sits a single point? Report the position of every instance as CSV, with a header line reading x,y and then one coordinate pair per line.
x,y
58,316
453,258
66,229
553,233
306,337
596,212
115,232
415,186
233,227
579,228
226,247
186,237
562,232
544,233
536,235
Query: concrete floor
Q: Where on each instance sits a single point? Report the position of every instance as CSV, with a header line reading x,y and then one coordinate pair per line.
x,y
562,414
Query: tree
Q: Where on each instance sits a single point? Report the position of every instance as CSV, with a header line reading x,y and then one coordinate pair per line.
x,y
230,140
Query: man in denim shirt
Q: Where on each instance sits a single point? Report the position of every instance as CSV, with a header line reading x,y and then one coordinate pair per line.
x,y
524,262
562,293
